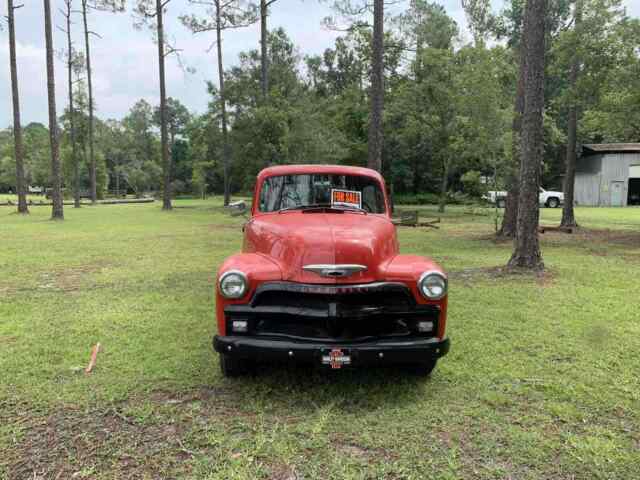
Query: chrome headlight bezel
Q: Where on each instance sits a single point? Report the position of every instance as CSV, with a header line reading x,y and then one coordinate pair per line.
x,y
425,291
226,276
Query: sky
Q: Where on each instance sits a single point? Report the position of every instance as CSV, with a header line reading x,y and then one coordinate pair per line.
x,y
125,62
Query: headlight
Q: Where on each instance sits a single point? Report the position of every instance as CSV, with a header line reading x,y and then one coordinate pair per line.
x,y
433,285
233,284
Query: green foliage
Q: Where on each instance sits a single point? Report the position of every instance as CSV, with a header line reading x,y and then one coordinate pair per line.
x,y
416,199
448,104
604,43
7,162
178,117
616,117
296,126
473,184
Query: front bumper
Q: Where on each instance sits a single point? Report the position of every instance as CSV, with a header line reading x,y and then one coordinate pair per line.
x,y
378,352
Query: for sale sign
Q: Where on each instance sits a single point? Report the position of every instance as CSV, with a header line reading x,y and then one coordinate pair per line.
x,y
346,198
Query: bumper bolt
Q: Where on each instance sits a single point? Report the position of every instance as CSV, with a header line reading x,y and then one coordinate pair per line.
x,y
290,353
229,348
381,355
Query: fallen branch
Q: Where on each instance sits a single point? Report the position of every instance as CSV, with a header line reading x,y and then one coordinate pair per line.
x,y
428,224
400,223
546,228
94,357
475,211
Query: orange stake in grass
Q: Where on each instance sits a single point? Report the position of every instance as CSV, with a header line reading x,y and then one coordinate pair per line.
x,y
94,357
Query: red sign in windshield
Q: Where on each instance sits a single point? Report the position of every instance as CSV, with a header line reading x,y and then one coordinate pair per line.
x,y
346,198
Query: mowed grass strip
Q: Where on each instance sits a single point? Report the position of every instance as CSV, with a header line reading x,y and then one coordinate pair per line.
x,y
541,381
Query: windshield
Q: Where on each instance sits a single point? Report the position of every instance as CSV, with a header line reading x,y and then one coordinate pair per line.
x,y
300,191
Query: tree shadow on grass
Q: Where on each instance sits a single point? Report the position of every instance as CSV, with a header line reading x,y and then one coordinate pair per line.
x,y
299,388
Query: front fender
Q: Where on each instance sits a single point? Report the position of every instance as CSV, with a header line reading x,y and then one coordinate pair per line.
x,y
408,269
256,267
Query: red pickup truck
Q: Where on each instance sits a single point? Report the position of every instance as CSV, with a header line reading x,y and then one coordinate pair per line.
x,y
320,279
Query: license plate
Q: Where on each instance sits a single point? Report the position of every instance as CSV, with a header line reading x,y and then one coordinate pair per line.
x,y
336,358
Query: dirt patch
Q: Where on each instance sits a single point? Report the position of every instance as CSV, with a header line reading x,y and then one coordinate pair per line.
x,y
6,290
366,453
203,394
7,339
283,472
76,444
631,257
595,236
142,437
544,278
445,438
616,237
493,238
69,279
581,236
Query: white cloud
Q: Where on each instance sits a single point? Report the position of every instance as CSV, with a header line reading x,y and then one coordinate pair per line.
x,y
125,63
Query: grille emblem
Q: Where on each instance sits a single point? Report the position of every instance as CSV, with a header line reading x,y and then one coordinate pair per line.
x,y
335,271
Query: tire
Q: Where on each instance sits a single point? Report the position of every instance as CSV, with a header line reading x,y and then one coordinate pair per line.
x,y
553,202
233,367
423,369
502,203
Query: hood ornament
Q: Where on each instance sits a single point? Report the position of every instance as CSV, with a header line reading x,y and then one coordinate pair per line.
x,y
335,271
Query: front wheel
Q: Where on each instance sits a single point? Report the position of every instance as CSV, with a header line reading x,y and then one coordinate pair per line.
x,y
553,202
233,367
424,369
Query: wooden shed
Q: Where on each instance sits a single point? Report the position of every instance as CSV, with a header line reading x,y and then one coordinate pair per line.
x,y
608,175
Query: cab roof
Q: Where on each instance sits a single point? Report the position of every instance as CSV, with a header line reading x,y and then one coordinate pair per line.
x,y
318,169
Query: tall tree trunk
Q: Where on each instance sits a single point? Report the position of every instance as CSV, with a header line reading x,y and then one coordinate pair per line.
x,y
510,218
568,216
57,212
418,61
527,246
264,59
226,148
417,179
17,126
444,186
92,157
377,88
72,113
172,145
117,172
164,140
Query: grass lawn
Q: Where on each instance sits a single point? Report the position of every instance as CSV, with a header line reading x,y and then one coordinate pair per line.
x,y
4,197
542,380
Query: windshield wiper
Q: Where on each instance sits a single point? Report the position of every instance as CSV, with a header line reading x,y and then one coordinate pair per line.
x,y
350,209
319,206
304,207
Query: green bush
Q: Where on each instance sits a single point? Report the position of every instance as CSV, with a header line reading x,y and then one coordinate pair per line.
x,y
432,199
417,199
472,184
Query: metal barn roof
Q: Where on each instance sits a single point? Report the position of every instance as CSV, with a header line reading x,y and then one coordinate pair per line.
x,y
595,148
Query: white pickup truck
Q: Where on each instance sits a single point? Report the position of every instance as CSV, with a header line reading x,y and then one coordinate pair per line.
x,y
547,198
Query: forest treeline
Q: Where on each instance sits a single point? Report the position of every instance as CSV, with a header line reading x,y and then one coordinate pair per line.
x,y
448,106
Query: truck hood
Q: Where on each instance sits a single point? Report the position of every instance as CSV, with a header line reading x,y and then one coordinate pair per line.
x,y
296,239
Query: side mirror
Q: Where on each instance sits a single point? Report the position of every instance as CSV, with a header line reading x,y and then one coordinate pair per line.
x,y
237,209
